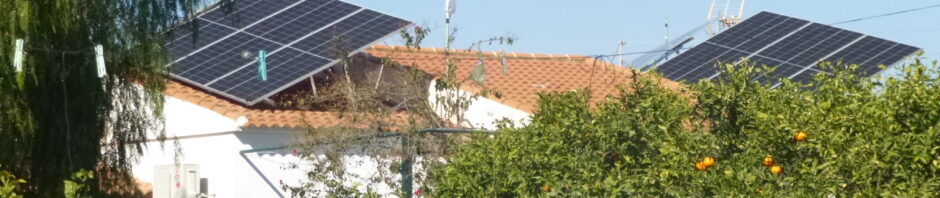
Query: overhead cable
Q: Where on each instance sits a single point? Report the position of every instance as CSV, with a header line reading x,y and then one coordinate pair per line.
x,y
886,14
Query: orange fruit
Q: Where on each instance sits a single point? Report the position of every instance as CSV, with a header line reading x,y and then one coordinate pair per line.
x,y
700,166
776,169
768,161
800,136
546,188
708,161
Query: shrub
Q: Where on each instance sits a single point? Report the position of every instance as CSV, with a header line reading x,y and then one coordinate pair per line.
x,y
864,137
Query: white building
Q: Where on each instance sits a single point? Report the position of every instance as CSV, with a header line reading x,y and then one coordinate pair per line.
x,y
242,150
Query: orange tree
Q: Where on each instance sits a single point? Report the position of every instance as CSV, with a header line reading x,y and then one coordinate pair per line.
x,y
839,135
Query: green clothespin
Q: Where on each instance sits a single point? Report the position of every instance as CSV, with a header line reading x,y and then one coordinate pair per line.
x,y
262,66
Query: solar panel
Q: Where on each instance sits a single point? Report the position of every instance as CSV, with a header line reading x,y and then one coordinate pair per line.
x,y
301,38
792,45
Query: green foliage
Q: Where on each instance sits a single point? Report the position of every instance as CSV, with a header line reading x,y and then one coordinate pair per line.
x,y
77,187
402,149
867,137
8,183
56,115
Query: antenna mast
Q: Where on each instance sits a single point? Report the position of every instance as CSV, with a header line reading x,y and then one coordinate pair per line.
x,y
667,30
724,20
620,53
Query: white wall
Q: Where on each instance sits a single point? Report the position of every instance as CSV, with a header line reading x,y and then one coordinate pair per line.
x,y
214,142
481,113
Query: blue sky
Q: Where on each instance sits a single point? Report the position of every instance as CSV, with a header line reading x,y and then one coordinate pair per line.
x,y
594,27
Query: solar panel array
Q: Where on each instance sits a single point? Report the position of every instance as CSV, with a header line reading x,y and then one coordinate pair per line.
x,y
792,45
301,38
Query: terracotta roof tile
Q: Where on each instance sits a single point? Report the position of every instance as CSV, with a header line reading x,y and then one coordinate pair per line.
x,y
528,73
257,117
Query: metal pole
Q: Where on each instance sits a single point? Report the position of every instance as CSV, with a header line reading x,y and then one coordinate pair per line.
x,y
447,35
406,172
379,78
620,53
313,86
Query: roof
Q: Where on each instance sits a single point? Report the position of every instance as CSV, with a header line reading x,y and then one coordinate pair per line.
x,y
528,73
257,116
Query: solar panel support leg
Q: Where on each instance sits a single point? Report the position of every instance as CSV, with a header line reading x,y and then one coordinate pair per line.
x,y
313,86
379,78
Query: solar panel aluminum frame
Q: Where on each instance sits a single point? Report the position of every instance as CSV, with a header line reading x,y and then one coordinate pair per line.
x,y
289,45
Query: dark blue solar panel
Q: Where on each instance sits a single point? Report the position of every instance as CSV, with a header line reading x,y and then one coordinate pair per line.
x,y
805,76
196,61
710,68
887,58
182,42
361,36
819,50
771,35
668,68
861,51
223,58
799,42
226,57
781,69
701,58
249,71
791,45
330,37
311,21
290,65
747,29
247,12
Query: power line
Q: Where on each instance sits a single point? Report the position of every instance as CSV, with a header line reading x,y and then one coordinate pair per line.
x,y
522,57
912,30
886,14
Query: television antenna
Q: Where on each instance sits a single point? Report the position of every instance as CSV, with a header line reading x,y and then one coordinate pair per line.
x,y
723,20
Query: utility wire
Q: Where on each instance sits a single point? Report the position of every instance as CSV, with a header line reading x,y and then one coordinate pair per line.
x,y
523,56
886,14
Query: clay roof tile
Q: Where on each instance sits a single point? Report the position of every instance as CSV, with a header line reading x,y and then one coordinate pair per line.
x,y
528,73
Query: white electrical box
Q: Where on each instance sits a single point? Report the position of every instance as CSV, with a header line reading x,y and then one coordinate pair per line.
x,y
176,181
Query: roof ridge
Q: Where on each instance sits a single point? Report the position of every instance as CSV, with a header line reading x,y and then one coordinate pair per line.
x,y
486,53
257,117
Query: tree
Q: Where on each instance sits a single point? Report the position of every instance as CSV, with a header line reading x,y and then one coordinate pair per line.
x,y
839,135
391,125
56,115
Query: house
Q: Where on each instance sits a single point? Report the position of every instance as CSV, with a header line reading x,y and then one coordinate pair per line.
x,y
527,74
228,149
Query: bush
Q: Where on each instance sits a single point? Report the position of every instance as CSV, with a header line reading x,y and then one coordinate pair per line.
x,y
866,137
8,184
